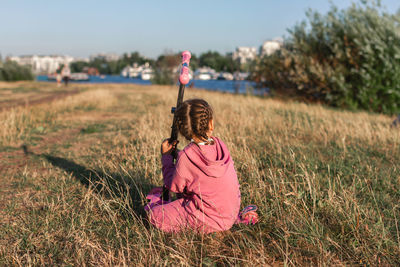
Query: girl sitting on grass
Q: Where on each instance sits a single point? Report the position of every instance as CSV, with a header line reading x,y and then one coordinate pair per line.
x,y
204,174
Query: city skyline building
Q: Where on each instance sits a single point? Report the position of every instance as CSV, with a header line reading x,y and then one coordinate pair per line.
x,y
244,54
43,63
269,47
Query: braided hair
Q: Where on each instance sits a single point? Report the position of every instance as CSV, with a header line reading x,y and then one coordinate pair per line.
x,y
193,117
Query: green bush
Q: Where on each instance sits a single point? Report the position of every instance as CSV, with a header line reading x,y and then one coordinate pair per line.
x,y
219,62
163,76
347,58
12,71
164,71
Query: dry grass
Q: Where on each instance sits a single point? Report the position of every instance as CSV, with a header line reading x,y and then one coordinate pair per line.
x,y
326,181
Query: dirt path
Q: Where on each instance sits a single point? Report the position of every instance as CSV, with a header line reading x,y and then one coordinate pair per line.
x,y
13,161
8,104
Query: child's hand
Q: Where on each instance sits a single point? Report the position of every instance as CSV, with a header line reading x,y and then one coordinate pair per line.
x,y
167,148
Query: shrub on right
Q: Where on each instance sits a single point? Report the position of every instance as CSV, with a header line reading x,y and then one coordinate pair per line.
x,y
347,58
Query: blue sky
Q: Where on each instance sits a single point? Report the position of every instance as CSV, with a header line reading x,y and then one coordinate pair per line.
x,y
81,28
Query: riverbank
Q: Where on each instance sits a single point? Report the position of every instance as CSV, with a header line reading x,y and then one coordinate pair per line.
x,y
75,172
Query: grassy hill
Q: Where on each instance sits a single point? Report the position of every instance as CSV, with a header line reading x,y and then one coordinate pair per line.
x,y
75,169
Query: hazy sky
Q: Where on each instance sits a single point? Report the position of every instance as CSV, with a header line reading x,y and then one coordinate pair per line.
x,y
81,28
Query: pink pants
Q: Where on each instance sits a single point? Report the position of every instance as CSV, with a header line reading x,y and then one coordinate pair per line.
x,y
173,217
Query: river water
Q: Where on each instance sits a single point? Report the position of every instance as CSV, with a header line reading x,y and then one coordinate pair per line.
x,y
243,87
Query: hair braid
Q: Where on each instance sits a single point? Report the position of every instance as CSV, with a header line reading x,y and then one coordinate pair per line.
x,y
193,117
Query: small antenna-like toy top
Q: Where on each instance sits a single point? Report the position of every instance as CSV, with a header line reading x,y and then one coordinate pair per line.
x,y
184,76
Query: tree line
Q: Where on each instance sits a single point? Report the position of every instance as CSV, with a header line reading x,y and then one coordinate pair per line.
x,y
211,59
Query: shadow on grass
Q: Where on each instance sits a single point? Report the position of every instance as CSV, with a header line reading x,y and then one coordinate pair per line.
x,y
127,189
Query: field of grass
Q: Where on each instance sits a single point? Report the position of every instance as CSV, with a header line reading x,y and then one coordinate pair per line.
x,y
74,173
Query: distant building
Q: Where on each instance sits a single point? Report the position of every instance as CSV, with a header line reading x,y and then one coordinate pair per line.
x,y
82,59
105,56
42,64
270,47
244,54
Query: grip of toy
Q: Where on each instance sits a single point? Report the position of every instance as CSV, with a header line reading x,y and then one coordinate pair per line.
x,y
184,75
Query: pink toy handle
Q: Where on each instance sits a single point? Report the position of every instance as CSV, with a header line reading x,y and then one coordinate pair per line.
x,y
184,76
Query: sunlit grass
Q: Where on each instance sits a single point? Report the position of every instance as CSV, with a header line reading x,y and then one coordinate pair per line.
x,y
326,182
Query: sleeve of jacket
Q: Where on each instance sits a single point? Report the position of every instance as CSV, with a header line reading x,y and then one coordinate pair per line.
x,y
172,179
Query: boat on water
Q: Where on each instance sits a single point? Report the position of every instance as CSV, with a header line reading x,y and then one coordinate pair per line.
x,y
131,72
125,72
204,76
79,76
144,72
147,74
225,76
204,73
135,72
241,76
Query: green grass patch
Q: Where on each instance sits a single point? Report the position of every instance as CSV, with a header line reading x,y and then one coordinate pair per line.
x,y
23,89
94,128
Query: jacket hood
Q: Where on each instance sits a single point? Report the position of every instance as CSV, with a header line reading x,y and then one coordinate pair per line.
x,y
212,160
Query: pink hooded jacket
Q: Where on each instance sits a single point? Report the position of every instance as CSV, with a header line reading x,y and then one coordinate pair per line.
x,y
206,176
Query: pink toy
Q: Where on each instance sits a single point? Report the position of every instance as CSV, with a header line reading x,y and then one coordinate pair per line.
x,y
184,76
186,56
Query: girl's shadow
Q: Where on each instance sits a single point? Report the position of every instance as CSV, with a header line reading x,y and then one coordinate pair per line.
x,y
127,189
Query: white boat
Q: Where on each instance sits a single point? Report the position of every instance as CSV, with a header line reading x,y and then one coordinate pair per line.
x,y
204,76
132,71
135,72
240,76
204,73
79,76
125,72
225,76
147,74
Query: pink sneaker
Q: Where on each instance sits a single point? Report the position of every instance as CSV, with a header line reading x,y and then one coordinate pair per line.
x,y
154,198
248,215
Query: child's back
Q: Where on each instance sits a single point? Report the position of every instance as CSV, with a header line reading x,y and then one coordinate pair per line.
x,y
212,189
